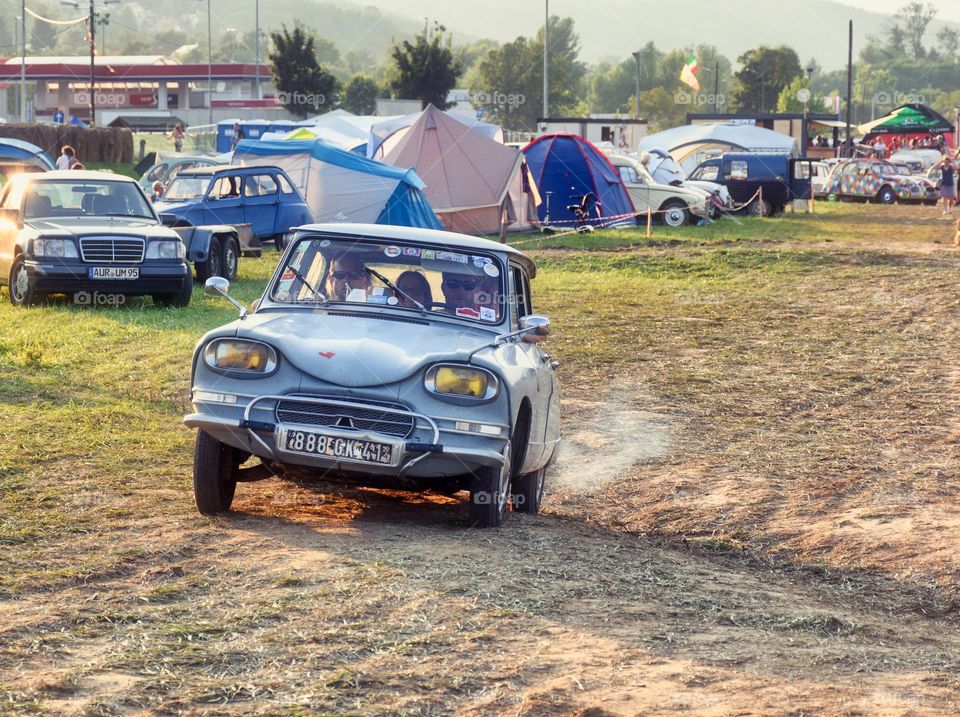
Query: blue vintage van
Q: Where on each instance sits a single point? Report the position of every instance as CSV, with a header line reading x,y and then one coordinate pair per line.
x,y
779,177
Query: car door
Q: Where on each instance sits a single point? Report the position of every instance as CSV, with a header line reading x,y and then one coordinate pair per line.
x,y
638,191
261,198
545,416
224,203
11,199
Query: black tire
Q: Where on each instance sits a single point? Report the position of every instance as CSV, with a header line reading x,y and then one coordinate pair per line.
x,y
886,196
282,239
489,494
215,466
759,208
528,492
231,258
179,299
213,264
675,213
21,293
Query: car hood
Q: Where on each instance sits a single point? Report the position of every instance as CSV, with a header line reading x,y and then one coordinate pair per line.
x,y
161,207
99,226
349,349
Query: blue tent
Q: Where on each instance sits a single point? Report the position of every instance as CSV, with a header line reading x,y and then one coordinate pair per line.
x,y
567,167
15,151
341,186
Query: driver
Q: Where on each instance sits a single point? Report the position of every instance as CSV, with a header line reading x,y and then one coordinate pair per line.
x,y
346,273
459,290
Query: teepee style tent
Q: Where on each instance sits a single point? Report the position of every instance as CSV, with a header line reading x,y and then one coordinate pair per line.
x,y
568,167
475,185
340,186
385,134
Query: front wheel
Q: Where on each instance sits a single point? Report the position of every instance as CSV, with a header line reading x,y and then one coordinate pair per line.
x,y
179,299
213,264
489,494
886,196
528,491
215,467
675,214
21,293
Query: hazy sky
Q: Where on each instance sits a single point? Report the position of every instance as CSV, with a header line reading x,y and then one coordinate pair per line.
x,y
946,9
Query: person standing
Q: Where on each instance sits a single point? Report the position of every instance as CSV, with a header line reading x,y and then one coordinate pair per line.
x,y
948,187
177,135
67,158
237,135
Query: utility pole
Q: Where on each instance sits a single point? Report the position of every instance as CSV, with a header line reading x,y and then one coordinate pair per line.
x,y
716,87
546,49
91,23
23,61
257,43
636,56
848,142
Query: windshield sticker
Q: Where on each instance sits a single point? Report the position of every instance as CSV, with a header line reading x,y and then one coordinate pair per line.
x,y
392,300
468,312
491,270
288,275
392,251
377,299
302,246
428,254
452,256
357,295
481,261
488,314
411,251
324,243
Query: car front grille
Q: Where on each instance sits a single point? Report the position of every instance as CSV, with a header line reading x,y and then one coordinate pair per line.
x,y
364,416
110,250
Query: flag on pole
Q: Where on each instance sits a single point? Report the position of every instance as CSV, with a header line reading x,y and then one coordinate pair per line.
x,y
688,74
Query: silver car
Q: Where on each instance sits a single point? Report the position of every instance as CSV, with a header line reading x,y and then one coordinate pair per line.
x,y
384,356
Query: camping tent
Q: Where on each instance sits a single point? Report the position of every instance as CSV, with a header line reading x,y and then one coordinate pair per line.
x,y
344,187
385,134
473,183
908,119
693,143
16,152
567,166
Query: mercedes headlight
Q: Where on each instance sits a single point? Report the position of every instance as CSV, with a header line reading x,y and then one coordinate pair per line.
x,y
54,249
166,249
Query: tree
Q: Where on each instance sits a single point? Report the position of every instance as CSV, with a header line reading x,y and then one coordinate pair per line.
x,y
764,72
426,70
509,80
788,102
949,40
360,95
303,86
915,17
43,35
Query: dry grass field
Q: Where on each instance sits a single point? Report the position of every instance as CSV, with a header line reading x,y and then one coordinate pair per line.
x,y
755,511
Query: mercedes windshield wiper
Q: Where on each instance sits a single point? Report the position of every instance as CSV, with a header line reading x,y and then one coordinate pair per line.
x,y
391,285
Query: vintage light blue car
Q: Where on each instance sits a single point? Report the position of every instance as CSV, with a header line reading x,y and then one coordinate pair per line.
x,y
386,356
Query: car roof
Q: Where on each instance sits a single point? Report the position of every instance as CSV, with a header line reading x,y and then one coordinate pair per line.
x,y
216,168
416,234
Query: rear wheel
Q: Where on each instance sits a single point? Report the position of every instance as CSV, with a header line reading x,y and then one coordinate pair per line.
x,y
231,258
213,264
759,208
489,494
215,468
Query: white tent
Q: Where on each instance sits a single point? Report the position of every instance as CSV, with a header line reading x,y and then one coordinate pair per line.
x,y
693,143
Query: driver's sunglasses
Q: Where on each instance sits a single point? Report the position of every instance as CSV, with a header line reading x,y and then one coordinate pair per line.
x,y
341,275
465,284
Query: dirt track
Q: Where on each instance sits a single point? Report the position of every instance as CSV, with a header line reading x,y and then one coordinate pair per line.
x,y
776,540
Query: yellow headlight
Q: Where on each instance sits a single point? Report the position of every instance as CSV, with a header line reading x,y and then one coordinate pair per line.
x,y
241,356
460,381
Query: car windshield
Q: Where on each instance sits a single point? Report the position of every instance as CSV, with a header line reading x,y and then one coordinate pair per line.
x,y
402,276
706,174
66,197
183,188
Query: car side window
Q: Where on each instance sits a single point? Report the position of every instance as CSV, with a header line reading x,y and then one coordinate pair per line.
x,y
158,173
285,186
227,187
520,289
14,196
629,175
259,185
179,168
736,169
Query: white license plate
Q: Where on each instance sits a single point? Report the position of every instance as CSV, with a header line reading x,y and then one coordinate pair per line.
x,y
355,450
113,272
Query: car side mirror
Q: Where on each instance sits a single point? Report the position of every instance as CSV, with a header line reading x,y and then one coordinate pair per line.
x,y
167,219
537,327
10,215
218,286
